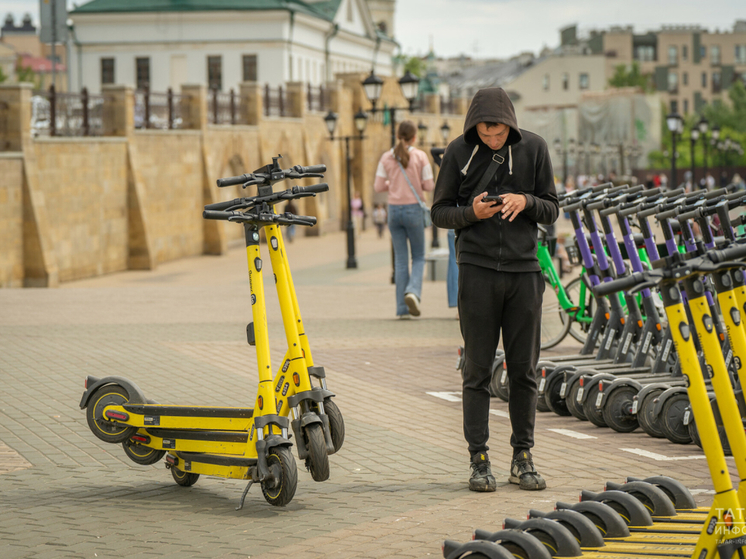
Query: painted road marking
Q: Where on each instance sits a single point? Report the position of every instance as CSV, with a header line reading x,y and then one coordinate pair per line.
x,y
660,457
573,434
447,396
500,413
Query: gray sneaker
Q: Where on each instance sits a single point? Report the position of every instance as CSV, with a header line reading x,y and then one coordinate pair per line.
x,y
481,474
524,474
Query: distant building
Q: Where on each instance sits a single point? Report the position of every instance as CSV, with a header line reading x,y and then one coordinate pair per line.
x,y
28,51
688,65
225,42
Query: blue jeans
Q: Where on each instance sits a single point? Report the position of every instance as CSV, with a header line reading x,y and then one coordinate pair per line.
x,y
405,223
452,276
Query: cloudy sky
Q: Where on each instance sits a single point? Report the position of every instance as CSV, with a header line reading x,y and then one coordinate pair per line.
x,y
500,28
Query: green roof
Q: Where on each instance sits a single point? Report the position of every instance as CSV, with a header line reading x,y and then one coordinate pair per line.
x,y
324,10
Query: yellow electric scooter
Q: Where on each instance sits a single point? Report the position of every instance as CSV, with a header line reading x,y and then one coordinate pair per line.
x,y
242,443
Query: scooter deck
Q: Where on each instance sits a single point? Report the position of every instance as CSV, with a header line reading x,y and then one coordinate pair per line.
x,y
181,417
640,549
210,442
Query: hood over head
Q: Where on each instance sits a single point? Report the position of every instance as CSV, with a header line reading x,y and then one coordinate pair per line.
x,y
491,105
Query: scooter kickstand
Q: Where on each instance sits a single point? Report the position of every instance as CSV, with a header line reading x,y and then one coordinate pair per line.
x,y
243,497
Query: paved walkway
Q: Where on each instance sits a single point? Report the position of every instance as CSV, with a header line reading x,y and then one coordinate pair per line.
x,y
398,487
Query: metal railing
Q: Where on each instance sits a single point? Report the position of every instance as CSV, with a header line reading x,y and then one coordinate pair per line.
x,y
317,98
66,114
275,103
158,110
224,108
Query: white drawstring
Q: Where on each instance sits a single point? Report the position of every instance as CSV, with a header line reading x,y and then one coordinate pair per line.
x,y
473,153
510,159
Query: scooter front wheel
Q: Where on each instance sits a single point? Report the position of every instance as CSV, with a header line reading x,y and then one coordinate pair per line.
x,y
336,423
108,431
185,479
141,454
317,460
280,489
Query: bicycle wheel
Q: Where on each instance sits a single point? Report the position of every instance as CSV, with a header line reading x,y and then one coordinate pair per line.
x,y
579,328
554,320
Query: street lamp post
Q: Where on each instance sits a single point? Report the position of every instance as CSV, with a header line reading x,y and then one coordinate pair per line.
x,y
704,126
675,124
693,137
373,85
715,141
564,152
361,120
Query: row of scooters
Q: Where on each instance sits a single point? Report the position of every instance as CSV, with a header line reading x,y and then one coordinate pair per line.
x,y
628,375
251,444
701,345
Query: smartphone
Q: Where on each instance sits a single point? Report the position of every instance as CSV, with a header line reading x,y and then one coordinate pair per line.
x,y
492,198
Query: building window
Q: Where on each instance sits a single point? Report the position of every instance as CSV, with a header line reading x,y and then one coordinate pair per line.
x,y
584,81
645,53
716,82
702,52
107,70
715,55
249,68
142,69
673,82
545,82
674,106
740,54
704,79
565,81
215,72
673,54
684,78
686,106
684,52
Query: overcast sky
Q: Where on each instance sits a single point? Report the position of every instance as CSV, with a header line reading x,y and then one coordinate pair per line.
x,y
501,28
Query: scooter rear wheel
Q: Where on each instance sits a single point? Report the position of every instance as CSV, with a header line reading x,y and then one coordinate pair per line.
x,y
591,412
646,417
108,431
336,423
281,489
618,410
673,419
497,388
552,396
141,454
571,399
317,460
185,479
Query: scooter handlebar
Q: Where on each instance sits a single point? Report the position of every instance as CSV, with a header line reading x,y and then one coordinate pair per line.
x,y
313,189
230,181
727,254
218,206
620,284
213,214
310,169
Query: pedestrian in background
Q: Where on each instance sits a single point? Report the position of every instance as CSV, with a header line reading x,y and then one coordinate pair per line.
x,y
379,218
500,281
405,173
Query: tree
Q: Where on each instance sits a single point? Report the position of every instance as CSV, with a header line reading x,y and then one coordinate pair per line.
x,y
412,64
3,76
26,74
630,77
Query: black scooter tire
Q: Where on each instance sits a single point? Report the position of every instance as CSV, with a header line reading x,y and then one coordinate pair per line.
x,y
185,479
336,423
575,408
496,388
141,454
617,410
108,431
592,413
647,419
552,396
317,461
281,490
673,419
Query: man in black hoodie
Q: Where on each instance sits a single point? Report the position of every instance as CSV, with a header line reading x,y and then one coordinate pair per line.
x,y
500,281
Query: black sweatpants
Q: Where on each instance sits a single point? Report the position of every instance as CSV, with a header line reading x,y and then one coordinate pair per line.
x,y
490,302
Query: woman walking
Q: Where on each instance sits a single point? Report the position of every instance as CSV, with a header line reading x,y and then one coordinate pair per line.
x,y
405,172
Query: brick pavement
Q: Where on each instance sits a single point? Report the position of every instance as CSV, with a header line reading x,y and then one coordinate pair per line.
x,y
398,487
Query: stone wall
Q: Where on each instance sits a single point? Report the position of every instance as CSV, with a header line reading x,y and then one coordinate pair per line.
x,y
72,208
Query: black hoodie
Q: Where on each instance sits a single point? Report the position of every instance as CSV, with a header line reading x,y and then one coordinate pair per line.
x,y
495,243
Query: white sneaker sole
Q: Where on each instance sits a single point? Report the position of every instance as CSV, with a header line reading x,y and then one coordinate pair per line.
x,y
412,304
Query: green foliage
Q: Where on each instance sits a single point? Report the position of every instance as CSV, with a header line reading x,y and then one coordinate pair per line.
x,y
3,76
631,77
412,64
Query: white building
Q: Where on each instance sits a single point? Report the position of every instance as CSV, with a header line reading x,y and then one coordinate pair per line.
x,y
222,43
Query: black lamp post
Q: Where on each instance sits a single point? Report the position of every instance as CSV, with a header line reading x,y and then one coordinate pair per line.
x,y
373,85
675,124
715,141
693,137
361,120
422,131
704,126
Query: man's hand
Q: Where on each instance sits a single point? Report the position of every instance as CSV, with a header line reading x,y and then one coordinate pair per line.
x,y
512,205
